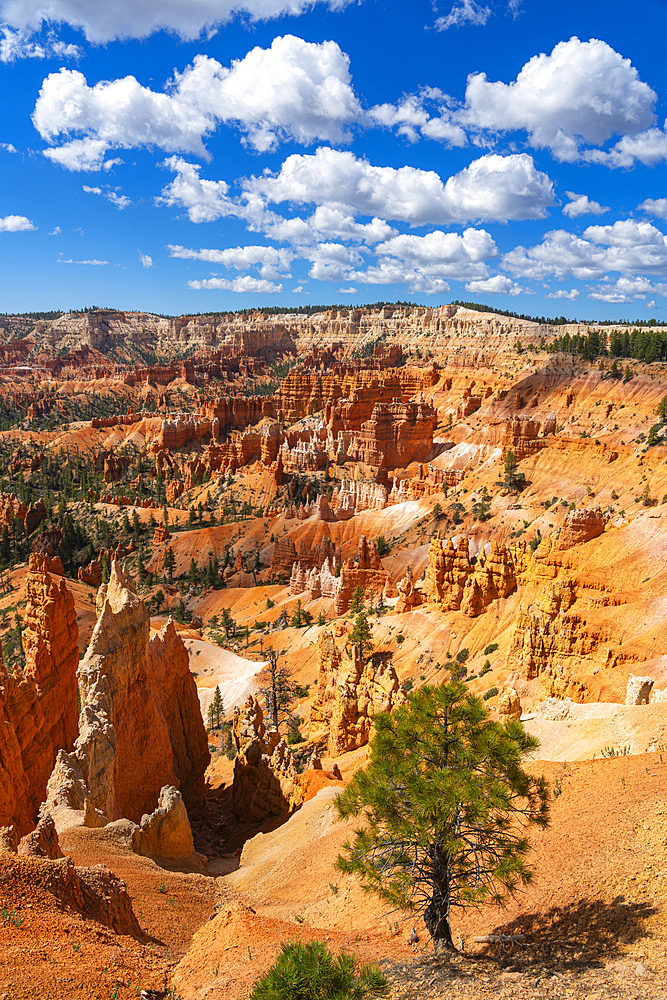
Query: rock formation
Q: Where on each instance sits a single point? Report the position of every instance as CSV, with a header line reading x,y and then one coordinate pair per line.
x,y
38,709
453,582
639,690
140,727
42,842
581,526
408,596
547,638
509,706
349,694
266,782
366,572
286,555
166,832
94,892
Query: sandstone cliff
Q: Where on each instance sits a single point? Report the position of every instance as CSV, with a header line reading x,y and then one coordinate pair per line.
x,y
453,582
38,709
266,782
349,694
366,572
140,727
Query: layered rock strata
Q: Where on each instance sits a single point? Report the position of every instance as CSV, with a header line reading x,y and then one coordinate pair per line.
x,y
455,583
548,641
140,726
266,782
366,572
349,694
38,708
581,526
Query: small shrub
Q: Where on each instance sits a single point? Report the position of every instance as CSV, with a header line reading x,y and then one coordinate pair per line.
x,y
462,655
491,693
400,638
491,648
408,685
308,971
616,752
12,917
486,667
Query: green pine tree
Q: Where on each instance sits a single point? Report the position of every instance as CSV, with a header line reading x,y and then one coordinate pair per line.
x,y
357,600
446,804
361,635
170,563
308,971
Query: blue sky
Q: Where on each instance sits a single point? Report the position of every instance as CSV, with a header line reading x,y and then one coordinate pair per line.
x,y
199,155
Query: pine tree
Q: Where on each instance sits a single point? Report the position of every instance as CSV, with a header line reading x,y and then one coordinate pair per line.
x,y
216,709
308,971
446,804
170,563
357,601
277,690
228,623
297,617
360,635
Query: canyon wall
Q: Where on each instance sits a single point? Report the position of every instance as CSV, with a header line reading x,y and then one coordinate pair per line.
x,y
140,726
38,706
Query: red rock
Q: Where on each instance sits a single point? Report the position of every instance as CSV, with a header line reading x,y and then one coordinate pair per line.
x,y
140,726
38,711
581,526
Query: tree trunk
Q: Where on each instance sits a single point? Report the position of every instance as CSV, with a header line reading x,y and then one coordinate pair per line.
x,y
436,916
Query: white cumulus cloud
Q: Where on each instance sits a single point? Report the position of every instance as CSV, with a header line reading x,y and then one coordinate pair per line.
x,y
104,22
498,284
146,260
16,224
244,284
655,206
492,187
294,90
563,293
272,263
628,247
579,204
581,92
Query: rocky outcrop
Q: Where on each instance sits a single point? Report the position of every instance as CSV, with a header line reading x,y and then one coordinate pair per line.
x,y
91,574
140,727
349,694
581,526
454,582
166,832
639,690
355,495
547,642
509,706
408,595
366,572
286,555
94,892
396,435
266,782
42,842
38,708
11,509
175,694
317,583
